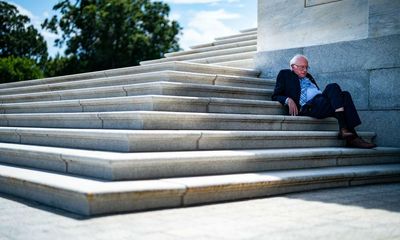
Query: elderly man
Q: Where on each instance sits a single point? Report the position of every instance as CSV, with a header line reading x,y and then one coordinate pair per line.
x,y
297,89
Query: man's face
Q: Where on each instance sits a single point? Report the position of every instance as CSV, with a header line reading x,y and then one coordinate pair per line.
x,y
300,67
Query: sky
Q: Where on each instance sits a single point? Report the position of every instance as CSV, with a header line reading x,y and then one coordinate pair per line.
x,y
202,20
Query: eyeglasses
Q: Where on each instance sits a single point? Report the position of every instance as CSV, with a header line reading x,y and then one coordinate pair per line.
x,y
302,67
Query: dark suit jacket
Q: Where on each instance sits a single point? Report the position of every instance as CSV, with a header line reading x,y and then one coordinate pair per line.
x,y
288,85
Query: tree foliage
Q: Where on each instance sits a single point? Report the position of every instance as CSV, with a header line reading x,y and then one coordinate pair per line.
x,y
61,65
18,38
101,34
14,69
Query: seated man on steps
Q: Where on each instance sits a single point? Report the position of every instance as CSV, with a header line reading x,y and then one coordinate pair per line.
x,y
297,89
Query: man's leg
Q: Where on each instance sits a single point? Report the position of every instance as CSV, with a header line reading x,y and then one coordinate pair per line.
x,y
346,114
319,107
335,96
350,111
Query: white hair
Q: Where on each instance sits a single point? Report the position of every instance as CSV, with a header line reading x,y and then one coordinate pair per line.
x,y
294,59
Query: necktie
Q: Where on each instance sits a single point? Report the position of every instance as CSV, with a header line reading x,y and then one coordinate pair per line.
x,y
303,94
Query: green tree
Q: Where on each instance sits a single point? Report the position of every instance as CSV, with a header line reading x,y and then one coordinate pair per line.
x,y
14,69
17,39
101,34
61,65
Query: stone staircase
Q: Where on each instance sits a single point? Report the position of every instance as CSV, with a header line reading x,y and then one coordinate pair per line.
x,y
234,51
170,133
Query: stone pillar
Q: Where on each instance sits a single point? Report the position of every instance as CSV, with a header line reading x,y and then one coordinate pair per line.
x,y
355,43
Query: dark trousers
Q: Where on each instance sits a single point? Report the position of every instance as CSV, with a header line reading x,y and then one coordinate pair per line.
x,y
324,105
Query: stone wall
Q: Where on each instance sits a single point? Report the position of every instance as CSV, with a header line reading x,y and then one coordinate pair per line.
x,y
369,69
284,24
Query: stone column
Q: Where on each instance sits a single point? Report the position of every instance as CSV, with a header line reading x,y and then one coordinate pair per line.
x,y
355,43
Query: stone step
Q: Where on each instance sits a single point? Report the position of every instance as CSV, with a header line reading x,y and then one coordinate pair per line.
x,y
172,66
155,120
213,48
170,76
146,103
224,58
140,89
93,197
248,30
170,140
114,166
237,35
200,55
226,41
245,63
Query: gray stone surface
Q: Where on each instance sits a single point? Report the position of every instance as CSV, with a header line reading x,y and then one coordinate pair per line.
x,y
311,3
384,18
385,124
367,54
364,212
280,28
384,89
372,53
356,83
269,63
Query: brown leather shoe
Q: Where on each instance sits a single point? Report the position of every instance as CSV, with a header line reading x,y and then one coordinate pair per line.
x,y
344,133
359,143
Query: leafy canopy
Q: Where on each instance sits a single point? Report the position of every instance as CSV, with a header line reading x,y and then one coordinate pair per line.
x,y
101,34
18,38
14,69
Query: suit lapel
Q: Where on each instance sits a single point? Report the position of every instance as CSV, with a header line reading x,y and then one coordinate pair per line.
x,y
296,79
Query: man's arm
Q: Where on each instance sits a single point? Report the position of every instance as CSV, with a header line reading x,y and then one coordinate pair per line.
x,y
279,93
279,90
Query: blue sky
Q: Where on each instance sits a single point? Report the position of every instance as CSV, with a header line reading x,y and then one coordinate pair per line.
x,y
202,20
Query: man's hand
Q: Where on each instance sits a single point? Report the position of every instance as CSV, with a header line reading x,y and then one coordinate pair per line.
x,y
292,107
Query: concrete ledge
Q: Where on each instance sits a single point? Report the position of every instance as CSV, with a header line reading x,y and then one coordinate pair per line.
x,y
147,103
226,41
245,63
128,166
153,88
194,56
205,68
248,30
237,35
213,48
171,76
91,197
225,58
170,140
155,120
174,66
230,187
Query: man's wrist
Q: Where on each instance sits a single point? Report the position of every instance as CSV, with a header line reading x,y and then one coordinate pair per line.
x,y
286,101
